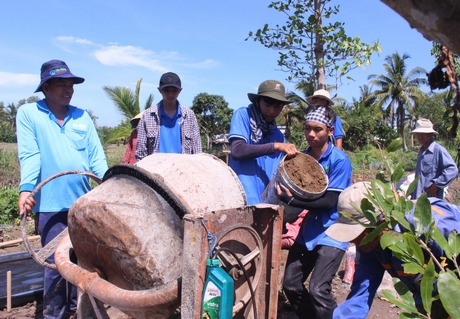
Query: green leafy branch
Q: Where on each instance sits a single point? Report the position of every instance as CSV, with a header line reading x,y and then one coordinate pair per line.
x,y
438,278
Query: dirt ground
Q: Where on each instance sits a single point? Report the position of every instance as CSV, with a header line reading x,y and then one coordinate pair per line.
x,y
380,308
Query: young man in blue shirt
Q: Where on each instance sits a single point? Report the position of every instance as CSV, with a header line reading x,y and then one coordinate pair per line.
x,y
314,252
372,261
168,127
54,136
322,97
257,145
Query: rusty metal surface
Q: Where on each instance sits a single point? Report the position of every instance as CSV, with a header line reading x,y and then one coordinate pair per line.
x,y
151,303
267,221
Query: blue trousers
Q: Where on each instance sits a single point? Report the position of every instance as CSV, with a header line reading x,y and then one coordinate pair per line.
x,y
59,296
322,263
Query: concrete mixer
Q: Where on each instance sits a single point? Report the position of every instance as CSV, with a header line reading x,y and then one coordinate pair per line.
x,y
143,235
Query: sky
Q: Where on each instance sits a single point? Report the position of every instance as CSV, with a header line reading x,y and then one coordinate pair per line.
x,y
117,42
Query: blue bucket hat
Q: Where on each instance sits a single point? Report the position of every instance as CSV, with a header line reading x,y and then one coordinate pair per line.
x,y
56,69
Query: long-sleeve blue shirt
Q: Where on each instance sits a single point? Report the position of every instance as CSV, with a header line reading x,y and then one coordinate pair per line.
x,y
434,165
370,267
46,148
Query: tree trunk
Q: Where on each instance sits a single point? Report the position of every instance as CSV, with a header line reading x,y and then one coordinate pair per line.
x,y
319,51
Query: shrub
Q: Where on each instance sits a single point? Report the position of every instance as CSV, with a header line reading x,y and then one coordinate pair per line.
x,y
9,211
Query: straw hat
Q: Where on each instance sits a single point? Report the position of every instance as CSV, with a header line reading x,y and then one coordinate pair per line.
x,y
137,117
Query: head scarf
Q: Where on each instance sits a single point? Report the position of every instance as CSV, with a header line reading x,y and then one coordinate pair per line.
x,y
259,126
319,115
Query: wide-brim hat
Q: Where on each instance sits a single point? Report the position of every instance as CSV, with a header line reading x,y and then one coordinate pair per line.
x,y
137,117
346,229
56,69
323,94
272,89
423,126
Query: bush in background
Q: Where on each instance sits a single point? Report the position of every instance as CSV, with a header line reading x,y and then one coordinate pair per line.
x,y
9,211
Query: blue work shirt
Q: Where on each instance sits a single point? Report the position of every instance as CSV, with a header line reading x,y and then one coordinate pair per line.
x,y
254,174
45,148
370,266
434,165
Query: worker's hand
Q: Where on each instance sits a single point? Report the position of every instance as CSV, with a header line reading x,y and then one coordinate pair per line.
x,y
282,190
25,200
432,190
286,148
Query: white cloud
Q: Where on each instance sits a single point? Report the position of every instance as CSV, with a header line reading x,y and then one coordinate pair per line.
x,y
206,64
9,79
70,39
128,56
65,42
114,54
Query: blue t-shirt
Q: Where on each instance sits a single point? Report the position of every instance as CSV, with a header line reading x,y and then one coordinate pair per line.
x,y
170,139
254,174
338,130
338,169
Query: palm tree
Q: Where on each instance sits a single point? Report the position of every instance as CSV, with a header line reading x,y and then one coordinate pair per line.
x,y
127,101
294,113
398,90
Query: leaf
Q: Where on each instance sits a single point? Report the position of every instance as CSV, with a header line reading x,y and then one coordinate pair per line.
x,y
413,268
422,215
398,173
404,315
369,211
454,243
426,286
373,234
390,238
414,248
449,293
403,298
412,186
439,238
398,216
394,146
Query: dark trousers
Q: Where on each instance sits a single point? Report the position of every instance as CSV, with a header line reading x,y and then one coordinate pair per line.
x,y
59,296
322,263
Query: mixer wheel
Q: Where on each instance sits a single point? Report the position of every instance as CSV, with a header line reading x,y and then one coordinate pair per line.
x,y
249,250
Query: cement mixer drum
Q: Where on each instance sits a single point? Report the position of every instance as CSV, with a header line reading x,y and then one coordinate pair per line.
x,y
129,229
128,234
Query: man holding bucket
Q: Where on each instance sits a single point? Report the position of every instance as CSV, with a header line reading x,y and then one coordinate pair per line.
x,y
313,251
256,143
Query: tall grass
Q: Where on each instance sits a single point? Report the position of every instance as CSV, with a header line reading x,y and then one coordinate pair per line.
x,y
9,168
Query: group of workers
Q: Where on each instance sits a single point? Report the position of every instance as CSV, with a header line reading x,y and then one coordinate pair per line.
x,y
54,136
